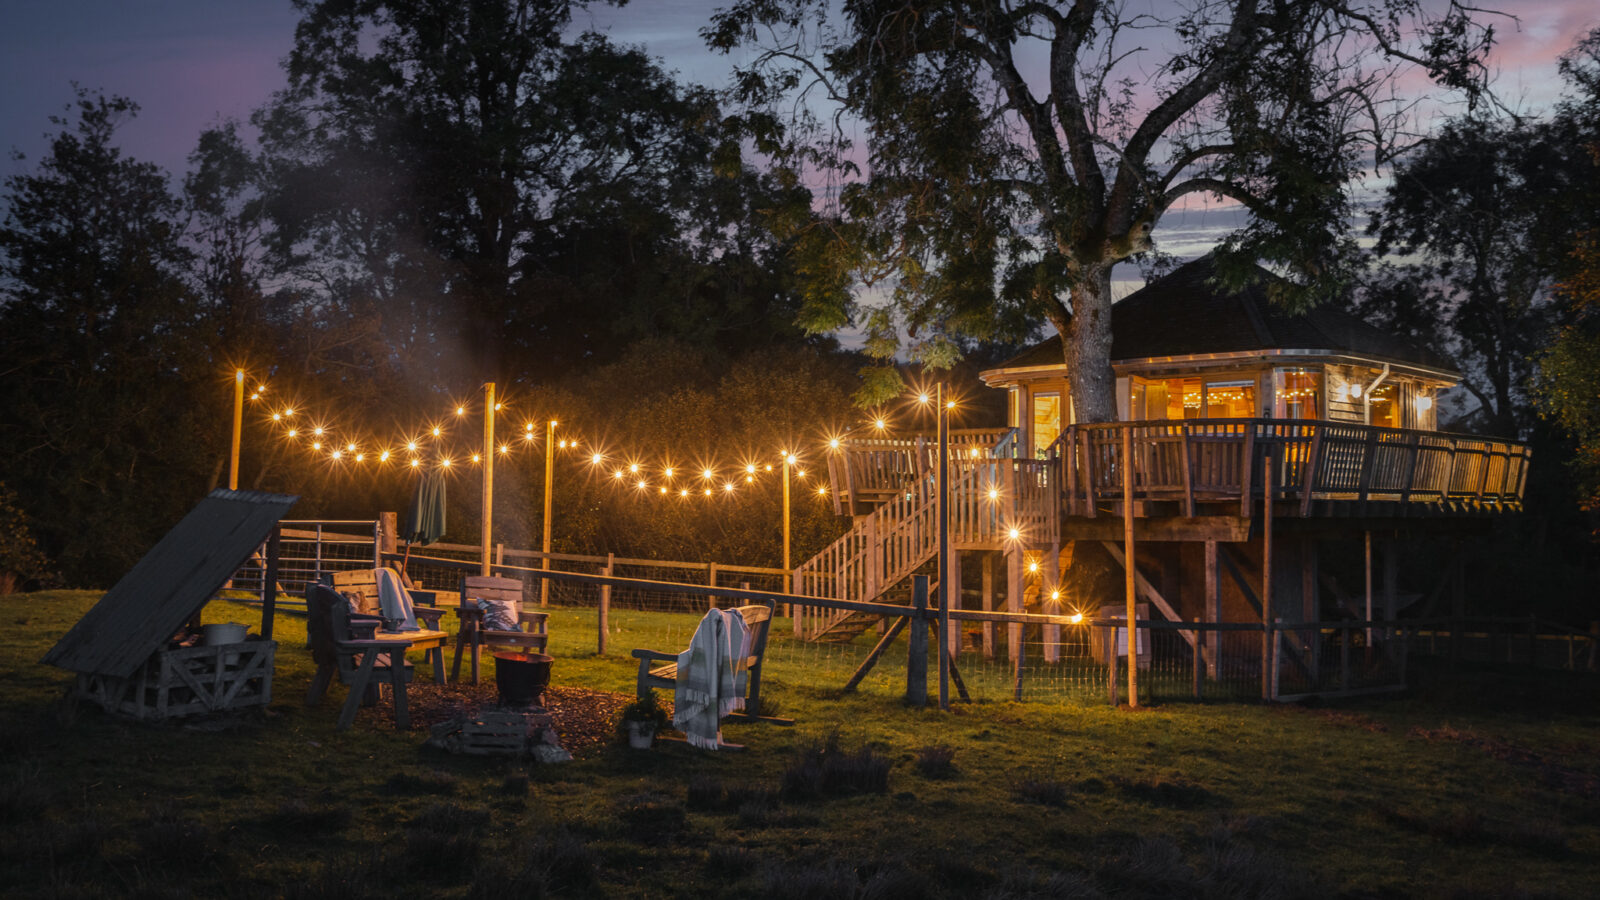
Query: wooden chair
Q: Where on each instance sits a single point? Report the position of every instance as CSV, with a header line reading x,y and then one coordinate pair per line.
x,y
344,644
364,584
756,618
533,627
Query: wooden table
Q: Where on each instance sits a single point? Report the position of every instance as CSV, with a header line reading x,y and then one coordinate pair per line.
x,y
430,642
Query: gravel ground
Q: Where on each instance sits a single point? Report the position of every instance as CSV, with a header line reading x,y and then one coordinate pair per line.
x,y
584,719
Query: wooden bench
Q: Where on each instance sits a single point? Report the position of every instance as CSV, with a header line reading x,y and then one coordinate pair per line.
x,y
345,644
758,619
533,627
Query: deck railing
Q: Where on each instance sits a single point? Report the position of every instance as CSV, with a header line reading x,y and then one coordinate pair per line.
x,y
1209,460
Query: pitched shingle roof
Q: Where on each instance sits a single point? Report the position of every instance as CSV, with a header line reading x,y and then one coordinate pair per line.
x,y
1185,314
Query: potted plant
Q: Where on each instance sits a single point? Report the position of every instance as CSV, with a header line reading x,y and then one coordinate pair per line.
x,y
640,721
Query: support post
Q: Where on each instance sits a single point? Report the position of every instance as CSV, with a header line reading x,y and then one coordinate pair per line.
x,y
238,426
988,603
1050,602
269,583
1128,586
549,481
1213,606
487,525
917,644
1366,539
947,591
1268,649
603,620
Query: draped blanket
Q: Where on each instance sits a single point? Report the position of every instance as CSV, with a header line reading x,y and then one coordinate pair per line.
x,y
394,601
711,677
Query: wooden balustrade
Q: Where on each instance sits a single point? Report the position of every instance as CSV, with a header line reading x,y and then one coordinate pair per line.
x,y
1207,460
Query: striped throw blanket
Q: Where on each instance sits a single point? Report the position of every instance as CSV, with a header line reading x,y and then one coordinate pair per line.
x,y
711,677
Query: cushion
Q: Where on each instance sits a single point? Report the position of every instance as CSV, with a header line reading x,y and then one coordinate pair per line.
x,y
499,615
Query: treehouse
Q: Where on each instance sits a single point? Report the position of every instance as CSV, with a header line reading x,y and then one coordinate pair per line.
x,y
1239,423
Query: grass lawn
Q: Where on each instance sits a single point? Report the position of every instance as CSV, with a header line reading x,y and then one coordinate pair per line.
x,y
1484,782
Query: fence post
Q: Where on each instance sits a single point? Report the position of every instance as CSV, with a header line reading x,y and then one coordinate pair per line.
x,y
269,583
917,654
796,611
1199,660
1277,658
711,581
1344,659
604,618
499,554
1111,661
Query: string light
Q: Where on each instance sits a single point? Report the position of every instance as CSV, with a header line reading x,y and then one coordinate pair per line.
x,y
461,410
476,458
445,462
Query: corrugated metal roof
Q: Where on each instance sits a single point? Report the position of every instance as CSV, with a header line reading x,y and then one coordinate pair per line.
x,y
1185,314
179,574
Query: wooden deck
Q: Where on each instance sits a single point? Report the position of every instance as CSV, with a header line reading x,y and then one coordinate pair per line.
x,y
1191,468
1206,466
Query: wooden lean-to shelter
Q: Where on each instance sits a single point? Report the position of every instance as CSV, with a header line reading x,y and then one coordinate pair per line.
x,y
126,650
1232,414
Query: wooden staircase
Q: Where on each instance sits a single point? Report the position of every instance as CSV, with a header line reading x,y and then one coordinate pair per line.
x,y
996,503
878,552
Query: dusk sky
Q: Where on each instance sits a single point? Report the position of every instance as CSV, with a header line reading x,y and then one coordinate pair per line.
x,y
191,63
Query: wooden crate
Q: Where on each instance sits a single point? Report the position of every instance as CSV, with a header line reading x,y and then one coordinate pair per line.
x,y
188,681
510,732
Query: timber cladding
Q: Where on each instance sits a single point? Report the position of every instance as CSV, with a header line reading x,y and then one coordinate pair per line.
x,y
183,571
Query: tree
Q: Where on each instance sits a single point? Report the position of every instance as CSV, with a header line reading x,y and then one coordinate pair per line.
x,y
1473,208
103,403
1018,151
1569,388
490,189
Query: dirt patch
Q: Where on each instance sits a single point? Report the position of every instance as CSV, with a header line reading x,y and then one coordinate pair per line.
x,y
583,718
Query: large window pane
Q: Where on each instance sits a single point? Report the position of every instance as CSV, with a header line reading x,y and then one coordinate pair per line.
x,y
1230,399
1046,421
1384,405
1300,394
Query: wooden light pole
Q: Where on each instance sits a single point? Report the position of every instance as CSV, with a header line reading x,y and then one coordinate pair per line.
x,y
488,474
549,479
1129,587
947,590
238,422
788,460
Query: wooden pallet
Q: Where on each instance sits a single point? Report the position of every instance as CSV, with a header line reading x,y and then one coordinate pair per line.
x,y
188,681
493,732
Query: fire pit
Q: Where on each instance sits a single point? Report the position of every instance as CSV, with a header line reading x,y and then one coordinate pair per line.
x,y
521,677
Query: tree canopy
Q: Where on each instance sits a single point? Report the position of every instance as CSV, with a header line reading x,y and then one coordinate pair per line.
x,y
1016,152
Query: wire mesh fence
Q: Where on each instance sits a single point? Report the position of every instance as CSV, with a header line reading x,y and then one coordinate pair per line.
x,y
996,656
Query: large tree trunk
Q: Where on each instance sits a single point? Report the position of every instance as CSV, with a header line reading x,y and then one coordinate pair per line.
x,y
1087,347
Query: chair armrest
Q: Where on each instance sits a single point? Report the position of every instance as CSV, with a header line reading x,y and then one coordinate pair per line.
x,y
364,645
655,655
363,628
429,615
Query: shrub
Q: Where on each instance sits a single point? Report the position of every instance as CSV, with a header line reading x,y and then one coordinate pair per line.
x,y
20,559
823,768
937,761
1044,793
